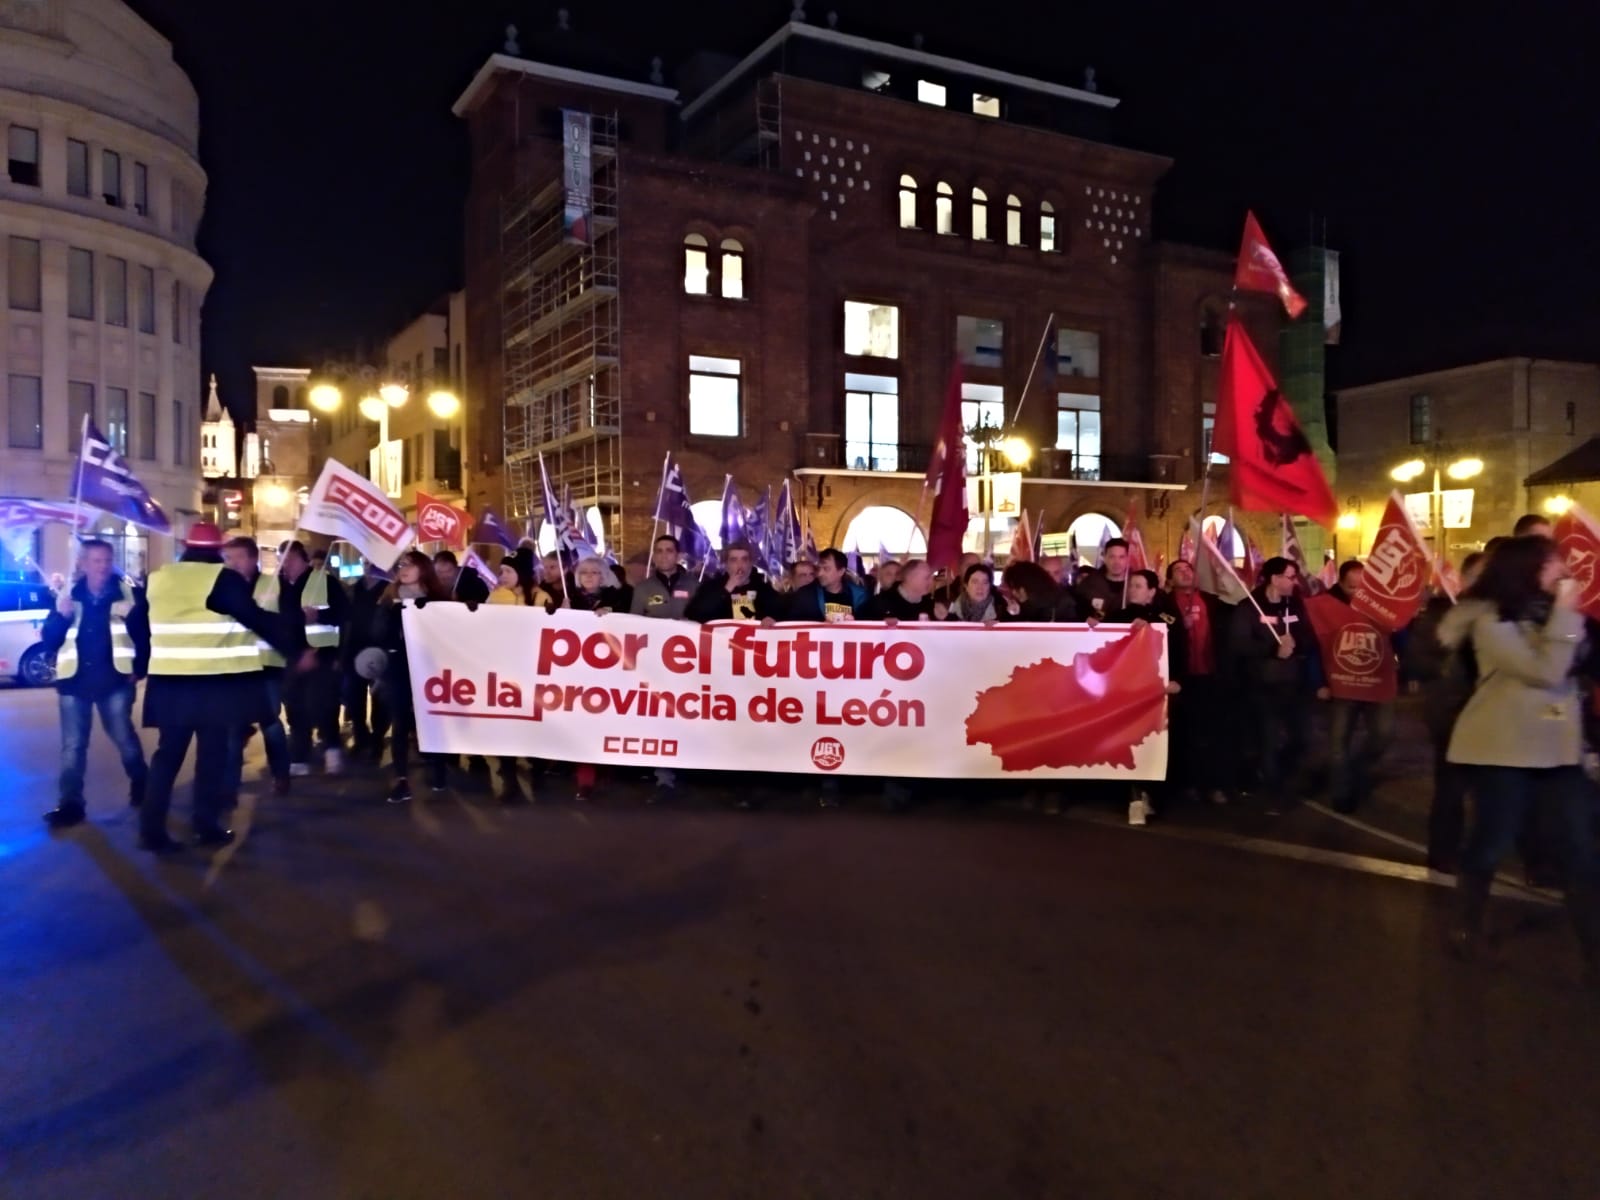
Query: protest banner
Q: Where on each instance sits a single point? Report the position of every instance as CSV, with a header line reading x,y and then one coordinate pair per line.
x,y
932,700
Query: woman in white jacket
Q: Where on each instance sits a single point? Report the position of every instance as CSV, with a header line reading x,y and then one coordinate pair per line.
x,y
1520,735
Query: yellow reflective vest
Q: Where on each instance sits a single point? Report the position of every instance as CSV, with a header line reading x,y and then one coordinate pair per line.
x,y
121,643
319,634
266,598
186,637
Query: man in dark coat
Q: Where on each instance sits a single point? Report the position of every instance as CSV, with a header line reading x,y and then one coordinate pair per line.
x,y
205,682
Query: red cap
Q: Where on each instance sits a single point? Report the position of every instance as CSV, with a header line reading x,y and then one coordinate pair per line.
x,y
203,535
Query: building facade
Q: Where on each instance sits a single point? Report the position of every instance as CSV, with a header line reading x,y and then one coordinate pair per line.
x,y
219,438
1515,416
427,431
103,288
784,261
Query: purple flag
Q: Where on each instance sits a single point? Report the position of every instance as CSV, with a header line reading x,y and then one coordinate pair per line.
x,y
492,531
733,529
759,530
786,531
104,480
674,511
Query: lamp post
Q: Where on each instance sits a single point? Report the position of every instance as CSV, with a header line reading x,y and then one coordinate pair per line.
x,y
1459,470
1017,453
376,405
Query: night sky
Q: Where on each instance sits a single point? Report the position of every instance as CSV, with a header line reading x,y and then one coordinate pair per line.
x,y
1453,163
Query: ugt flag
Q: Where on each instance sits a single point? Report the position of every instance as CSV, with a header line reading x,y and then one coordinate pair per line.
x,y
1397,570
104,480
344,505
1272,467
1578,538
1260,271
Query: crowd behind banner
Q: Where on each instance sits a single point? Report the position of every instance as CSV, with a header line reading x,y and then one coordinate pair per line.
x,y
1250,674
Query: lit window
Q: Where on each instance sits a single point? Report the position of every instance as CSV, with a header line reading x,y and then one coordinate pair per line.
x,y
980,341
111,177
908,202
732,270
22,153
22,273
77,167
1078,431
986,106
930,93
944,209
982,406
1013,221
115,300
871,422
871,330
714,396
1208,433
875,80
980,216
696,265
80,283
1078,353
1047,227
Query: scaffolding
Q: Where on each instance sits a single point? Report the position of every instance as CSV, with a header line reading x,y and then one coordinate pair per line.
x,y
561,325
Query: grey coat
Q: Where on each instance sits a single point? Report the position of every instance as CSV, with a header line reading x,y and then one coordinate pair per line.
x,y
1525,710
658,597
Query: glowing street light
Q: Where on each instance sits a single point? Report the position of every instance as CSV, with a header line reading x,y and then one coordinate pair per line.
x,y
1465,468
1407,471
326,397
444,405
1558,505
1017,451
394,394
374,409
1348,521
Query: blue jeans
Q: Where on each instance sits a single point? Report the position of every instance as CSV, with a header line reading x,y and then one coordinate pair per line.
x,y
1350,767
1503,797
77,720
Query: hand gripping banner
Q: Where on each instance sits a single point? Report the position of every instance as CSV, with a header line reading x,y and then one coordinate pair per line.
x,y
935,700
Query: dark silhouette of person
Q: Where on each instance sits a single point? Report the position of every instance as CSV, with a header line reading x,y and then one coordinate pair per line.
x,y
1282,441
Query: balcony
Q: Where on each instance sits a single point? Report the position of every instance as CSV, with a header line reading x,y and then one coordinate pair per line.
x,y
830,452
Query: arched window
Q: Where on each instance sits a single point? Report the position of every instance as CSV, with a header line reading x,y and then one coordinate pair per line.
x,y
280,397
1224,537
696,265
732,270
980,215
1013,221
1047,227
944,209
883,527
708,515
1088,533
908,202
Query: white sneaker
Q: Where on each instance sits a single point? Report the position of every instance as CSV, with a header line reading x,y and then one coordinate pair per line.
x,y
1138,811
333,761
298,769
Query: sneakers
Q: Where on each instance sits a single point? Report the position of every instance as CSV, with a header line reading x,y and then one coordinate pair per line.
x,y
64,816
333,761
438,777
400,793
1138,809
298,770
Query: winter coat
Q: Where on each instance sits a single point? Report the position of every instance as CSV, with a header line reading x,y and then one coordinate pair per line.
x,y
663,596
1093,586
98,676
1253,640
810,603
1159,613
1525,710
712,601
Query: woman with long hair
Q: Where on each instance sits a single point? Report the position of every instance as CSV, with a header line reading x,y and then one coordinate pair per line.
x,y
976,602
1520,735
414,580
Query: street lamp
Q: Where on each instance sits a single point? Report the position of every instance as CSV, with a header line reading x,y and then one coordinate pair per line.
x,y
326,397
1461,469
1558,506
1017,451
444,405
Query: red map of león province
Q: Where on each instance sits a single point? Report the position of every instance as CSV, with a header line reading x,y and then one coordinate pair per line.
x,y
1092,713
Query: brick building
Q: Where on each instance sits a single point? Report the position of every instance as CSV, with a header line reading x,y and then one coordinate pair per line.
x,y
787,255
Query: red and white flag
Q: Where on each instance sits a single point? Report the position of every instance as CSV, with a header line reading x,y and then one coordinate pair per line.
x,y
1260,270
1213,573
1293,551
1272,467
1021,541
345,505
441,522
1329,575
1397,570
1448,578
1578,537
1138,559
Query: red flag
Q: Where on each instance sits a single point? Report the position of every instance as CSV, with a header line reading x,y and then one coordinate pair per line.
x,y
1187,546
1260,271
1021,541
947,475
1447,577
1579,539
1272,467
1397,570
441,522
1357,656
1138,560
1329,575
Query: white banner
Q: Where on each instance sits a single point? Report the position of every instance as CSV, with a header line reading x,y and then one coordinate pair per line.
x,y
1457,506
937,700
577,176
1332,312
344,505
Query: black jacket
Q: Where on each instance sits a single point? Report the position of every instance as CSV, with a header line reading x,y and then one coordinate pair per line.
x,y
97,673
890,604
470,587
210,700
617,599
1093,585
1255,647
712,601
810,603
360,628
291,614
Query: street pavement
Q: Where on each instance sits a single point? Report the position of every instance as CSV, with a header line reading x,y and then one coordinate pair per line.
x,y
452,1000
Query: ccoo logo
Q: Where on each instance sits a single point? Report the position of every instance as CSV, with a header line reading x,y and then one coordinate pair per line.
x,y
827,754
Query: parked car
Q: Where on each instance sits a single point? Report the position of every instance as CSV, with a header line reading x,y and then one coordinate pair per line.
x,y
23,609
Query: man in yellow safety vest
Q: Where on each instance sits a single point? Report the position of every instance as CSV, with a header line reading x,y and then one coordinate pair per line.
x,y
100,634
205,683
312,607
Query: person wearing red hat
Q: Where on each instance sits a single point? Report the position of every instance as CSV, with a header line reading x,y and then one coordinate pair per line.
x,y
205,682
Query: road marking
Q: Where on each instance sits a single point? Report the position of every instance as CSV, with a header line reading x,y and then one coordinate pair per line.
x,y
1361,863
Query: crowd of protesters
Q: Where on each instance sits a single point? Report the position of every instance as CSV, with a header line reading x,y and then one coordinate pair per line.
x,y
1502,673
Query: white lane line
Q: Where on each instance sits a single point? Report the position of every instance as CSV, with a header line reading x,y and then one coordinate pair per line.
x,y
1362,863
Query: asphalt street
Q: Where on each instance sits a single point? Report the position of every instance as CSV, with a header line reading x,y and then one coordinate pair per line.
x,y
455,1000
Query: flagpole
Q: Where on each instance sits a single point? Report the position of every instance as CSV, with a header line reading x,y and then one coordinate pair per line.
x,y
1037,355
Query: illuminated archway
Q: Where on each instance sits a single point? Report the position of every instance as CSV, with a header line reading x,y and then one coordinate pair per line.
x,y
1212,525
1088,531
591,518
884,527
708,515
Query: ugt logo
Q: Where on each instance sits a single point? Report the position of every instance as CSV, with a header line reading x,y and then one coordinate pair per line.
x,y
366,508
1358,651
827,754
1393,570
